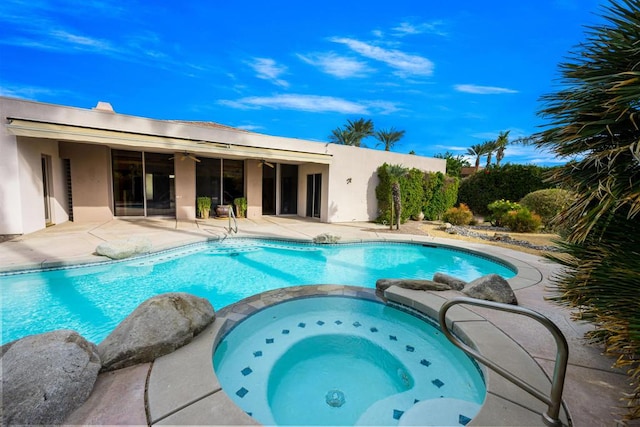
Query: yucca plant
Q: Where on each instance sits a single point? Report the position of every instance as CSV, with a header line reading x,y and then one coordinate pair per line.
x,y
595,121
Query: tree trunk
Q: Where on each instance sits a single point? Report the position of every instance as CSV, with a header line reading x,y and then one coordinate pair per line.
x,y
397,204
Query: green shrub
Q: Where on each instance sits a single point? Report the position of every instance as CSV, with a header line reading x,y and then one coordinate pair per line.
x,y
440,194
548,203
499,210
412,193
522,221
458,216
383,194
509,182
429,192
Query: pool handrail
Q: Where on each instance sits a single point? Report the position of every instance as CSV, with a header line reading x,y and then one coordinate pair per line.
x,y
232,215
554,401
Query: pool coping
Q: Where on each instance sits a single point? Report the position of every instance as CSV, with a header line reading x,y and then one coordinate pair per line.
x,y
182,386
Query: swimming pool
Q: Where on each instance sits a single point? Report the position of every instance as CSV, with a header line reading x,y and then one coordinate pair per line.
x,y
345,361
94,299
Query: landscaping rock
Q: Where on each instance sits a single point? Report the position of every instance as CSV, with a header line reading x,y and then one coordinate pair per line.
x,y
46,377
156,327
418,285
326,238
120,249
491,287
455,283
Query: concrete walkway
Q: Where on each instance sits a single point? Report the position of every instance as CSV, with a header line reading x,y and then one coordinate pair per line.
x,y
592,389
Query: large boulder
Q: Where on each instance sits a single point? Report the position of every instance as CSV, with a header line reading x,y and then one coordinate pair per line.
x,y
157,327
120,249
455,283
414,284
491,287
46,377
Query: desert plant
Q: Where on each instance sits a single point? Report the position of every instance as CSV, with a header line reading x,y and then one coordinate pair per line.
x,y
499,211
594,119
522,221
458,216
548,204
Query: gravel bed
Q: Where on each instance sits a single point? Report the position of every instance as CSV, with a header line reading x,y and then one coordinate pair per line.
x,y
500,235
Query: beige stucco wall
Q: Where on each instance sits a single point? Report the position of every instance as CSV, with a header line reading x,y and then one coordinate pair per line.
x,y
10,197
185,182
90,181
31,200
253,185
353,180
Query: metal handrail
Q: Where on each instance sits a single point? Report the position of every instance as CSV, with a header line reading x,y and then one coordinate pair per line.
x,y
235,221
554,401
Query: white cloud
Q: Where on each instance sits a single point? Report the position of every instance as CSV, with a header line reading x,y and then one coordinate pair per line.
x,y
483,90
312,103
336,65
405,64
28,92
250,127
406,28
268,69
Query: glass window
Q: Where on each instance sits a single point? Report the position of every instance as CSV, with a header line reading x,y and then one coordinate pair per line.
x,y
232,180
128,191
208,182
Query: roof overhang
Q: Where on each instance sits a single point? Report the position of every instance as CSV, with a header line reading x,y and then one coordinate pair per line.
x,y
139,141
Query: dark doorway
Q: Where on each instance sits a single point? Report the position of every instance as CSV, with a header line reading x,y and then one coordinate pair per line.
x,y
314,187
288,189
268,189
159,184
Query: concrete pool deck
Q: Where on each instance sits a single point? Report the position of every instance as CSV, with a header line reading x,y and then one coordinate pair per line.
x,y
136,395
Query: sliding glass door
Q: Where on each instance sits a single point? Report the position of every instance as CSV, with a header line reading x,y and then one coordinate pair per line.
x,y
143,183
128,189
220,179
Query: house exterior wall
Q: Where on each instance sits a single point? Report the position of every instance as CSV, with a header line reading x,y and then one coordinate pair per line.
x,y
348,181
185,182
31,200
10,196
90,181
353,179
253,188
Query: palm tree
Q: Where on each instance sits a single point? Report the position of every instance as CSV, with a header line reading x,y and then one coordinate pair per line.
x,y
341,136
501,144
476,151
359,129
389,138
488,147
594,120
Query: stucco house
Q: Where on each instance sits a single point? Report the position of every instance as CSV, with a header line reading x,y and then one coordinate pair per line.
x,y
60,163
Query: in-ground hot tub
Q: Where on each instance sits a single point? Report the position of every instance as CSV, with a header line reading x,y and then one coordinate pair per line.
x,y
345,361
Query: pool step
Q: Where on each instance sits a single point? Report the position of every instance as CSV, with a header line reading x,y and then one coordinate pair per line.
x,y
440,412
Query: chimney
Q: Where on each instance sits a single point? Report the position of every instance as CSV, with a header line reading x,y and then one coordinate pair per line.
x,y
104,106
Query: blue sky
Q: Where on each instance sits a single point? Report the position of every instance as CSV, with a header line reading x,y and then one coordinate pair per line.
x,y
451,74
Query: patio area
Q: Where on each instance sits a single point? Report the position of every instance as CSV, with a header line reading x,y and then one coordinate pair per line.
x,y
592,389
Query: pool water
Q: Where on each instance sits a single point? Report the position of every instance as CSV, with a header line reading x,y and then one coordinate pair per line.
x,y
344,361
94,299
